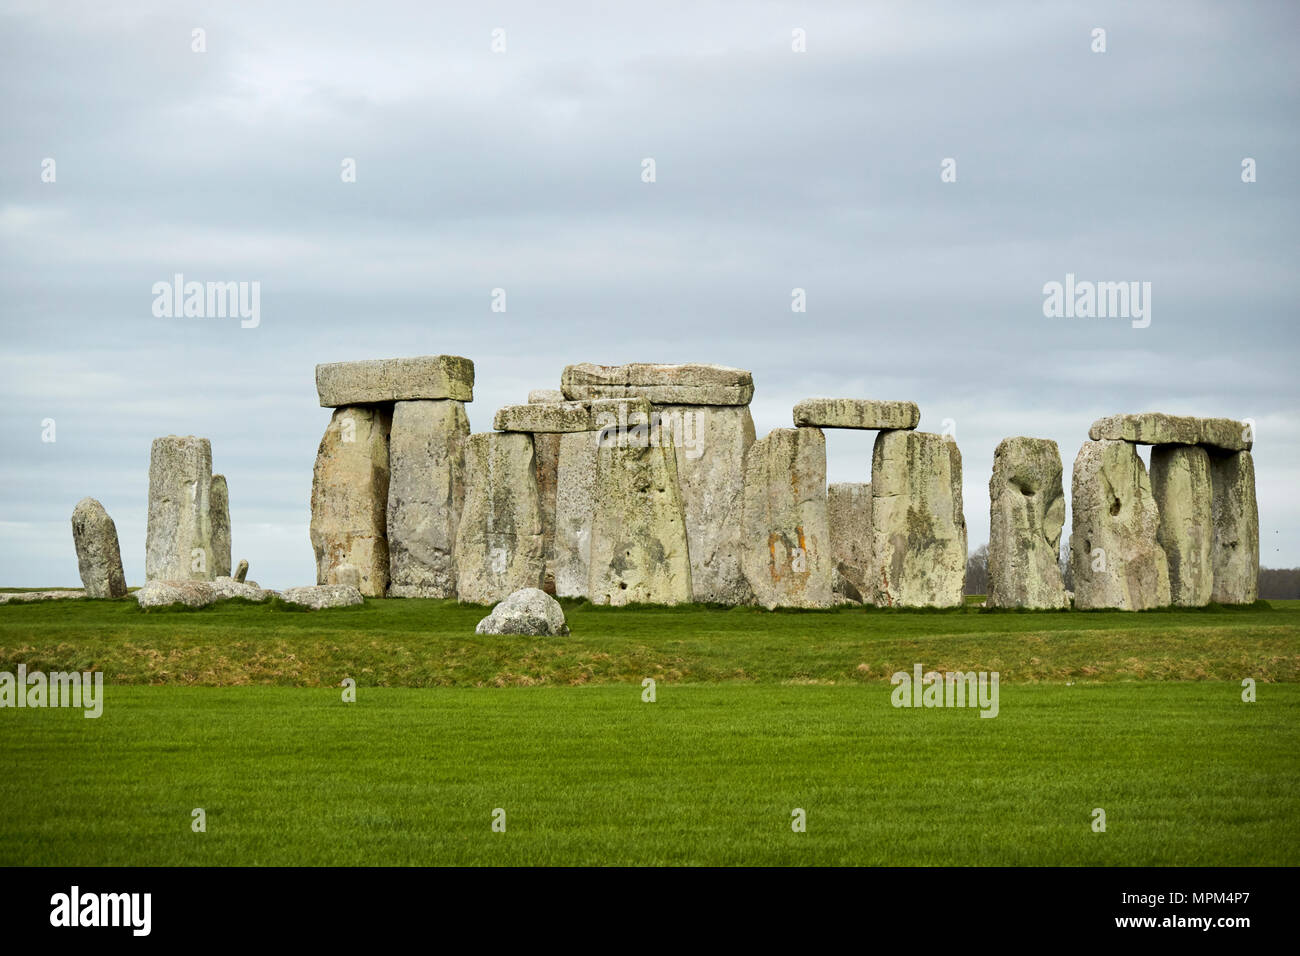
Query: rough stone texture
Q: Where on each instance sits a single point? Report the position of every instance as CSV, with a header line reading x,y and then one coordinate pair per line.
x,y
848,510
918,529
545,395
575,504
662,384
639,551
844,589
710,443
426,492
180,521
856,413
1115,511
546,464
499,541
787,553
1180,484
323,595
348,575
1157,428
527,611
228,587
1235,556
241,572
548,417
98,557
395,380
158,593
349,497
27,597
219,510
1026,516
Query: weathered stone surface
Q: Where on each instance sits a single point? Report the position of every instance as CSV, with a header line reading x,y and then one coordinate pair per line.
x,y
29,597
848,509
426,493
98,557
321,596
499,541
545,395
159,593
1026,515
710,443
639,552
546,464
1115,557
241,572
348,576
662,384
1157,428
178,541
856,413
219,510
787,554
527,611
1235,555
227,587
844,589
918,529
349,497
575,504
1180,484
379,381
547,417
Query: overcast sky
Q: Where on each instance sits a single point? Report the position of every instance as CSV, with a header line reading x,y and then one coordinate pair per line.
x,y
522,170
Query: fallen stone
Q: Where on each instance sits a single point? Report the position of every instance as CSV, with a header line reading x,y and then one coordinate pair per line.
x,y
1115,557
395,380
219,510
638,531
710,443
918,529
321,596
99,559
1180,485
30,597
1157,428
527,611
241,572
227,587
787,553
349,497
1235,547
662,384
848,509
426,494
856,413
1026,516
158,593
178,539
499,540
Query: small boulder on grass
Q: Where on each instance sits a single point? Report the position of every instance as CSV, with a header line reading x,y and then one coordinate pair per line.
x,y
318,596
527,611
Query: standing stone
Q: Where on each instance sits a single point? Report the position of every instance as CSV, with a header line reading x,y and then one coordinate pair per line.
x,y
178,540
499,540
918,528
575,504
241,572
710,442
546,449
1116,559
1026,516
1236,529
639,551
848,510
787,551
1180,484
219,509
426,493
98,557
349,497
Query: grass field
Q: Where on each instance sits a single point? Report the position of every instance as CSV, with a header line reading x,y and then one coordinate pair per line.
x,y
757,714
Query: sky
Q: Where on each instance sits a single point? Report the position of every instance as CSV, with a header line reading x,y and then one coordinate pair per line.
x,y
821,169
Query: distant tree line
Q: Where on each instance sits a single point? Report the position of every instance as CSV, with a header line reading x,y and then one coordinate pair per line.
x,y
1278,584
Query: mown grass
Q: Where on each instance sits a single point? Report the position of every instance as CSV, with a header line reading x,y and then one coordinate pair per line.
x,y
418,643
1187,774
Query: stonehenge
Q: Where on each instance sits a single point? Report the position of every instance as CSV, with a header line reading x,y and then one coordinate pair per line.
x,y
184,531
848,512
1026,515
99,559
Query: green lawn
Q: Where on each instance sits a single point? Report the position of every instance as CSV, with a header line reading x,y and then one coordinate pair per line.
x,y
1186,772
